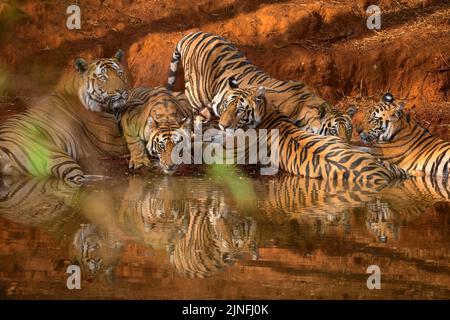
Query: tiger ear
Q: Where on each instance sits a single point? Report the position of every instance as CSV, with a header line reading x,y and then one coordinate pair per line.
x,y
119,55
260,94
232,83
81,65
399,110
351,110
152,124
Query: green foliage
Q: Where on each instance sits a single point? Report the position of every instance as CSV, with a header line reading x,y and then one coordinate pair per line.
x,y
10,15
3,83
240,187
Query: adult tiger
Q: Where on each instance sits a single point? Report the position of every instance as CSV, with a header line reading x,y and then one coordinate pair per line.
x,y
153,123
395,136
300,152
49,138
210,60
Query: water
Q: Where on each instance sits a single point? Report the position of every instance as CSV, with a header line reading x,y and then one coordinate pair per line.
x,y
223,234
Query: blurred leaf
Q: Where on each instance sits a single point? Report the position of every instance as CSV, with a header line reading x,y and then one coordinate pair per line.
x,y
3,83
240,187
10,15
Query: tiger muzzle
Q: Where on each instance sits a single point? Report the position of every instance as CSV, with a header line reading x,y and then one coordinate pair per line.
x,y
117,102
166,162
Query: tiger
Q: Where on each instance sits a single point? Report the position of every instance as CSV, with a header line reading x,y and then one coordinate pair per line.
x,y
300,152
72,123
209,60
394,135
154,121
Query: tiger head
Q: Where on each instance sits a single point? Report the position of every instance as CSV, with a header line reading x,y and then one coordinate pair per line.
x,y
382,121
164,220
337,123
103,83
212,244
96,251
166,141
239,108
380,221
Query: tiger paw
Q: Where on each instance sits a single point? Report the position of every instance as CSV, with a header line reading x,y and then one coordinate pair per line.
x,y
137,162
203,117
205,114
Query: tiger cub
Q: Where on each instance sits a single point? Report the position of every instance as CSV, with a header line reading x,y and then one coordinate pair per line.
x,y
394,136
153,123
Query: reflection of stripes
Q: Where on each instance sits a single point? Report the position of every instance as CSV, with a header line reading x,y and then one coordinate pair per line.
x,y
212,243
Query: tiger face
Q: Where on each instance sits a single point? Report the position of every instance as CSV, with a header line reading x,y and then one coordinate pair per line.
x,y
239,108
166,140
96,252
103,83
382,121
338,124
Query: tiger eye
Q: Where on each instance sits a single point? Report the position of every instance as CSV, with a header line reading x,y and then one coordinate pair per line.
x,y
388,98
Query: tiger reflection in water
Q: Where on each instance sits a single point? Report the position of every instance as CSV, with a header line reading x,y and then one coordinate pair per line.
x,y
201,234
96,251
316,204
319,205
394,208
55,206
379,220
